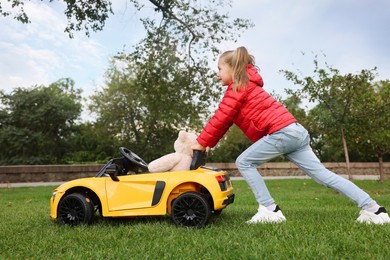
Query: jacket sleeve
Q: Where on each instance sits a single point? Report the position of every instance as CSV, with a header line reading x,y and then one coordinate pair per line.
x,y
223,118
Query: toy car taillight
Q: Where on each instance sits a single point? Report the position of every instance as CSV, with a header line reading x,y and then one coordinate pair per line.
x,y
221,178
224,181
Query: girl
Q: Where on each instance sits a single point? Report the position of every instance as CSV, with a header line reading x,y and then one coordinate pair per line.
x,y
274,132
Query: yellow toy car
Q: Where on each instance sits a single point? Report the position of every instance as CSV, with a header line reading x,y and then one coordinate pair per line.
x,y
125,188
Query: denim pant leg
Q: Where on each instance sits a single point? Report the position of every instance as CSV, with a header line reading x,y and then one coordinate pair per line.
x,y
293,142
308,162
255,155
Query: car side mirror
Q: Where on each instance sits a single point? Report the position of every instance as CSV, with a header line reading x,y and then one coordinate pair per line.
x,y
112,171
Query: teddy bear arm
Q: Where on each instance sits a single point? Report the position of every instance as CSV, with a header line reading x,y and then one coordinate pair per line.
x,y
165,163
184,164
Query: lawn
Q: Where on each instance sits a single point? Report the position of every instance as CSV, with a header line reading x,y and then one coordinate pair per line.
x,y
320,224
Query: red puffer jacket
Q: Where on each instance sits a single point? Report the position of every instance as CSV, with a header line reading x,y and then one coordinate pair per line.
x,y
252,109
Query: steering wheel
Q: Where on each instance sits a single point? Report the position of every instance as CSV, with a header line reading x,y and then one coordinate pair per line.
x,y
133,158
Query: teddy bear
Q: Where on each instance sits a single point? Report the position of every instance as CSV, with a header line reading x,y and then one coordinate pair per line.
x,y
179,160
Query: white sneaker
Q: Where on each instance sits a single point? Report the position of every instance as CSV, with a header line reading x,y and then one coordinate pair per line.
x,y
379,217
264,215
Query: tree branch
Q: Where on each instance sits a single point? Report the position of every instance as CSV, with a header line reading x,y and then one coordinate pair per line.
x,y
170,14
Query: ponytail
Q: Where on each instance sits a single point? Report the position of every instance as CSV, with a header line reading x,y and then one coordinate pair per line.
x,y
238,60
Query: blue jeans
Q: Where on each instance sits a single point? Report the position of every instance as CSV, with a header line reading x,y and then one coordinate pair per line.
x,y
293,142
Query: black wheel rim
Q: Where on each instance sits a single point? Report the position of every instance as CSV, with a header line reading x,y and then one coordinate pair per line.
x,y
190,211
71,212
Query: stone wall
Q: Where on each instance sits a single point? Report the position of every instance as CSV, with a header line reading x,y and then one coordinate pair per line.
x,y
58,173
46,173
290,169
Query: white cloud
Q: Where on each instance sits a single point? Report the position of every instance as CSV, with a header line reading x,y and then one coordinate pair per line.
x,y
24,66
41,53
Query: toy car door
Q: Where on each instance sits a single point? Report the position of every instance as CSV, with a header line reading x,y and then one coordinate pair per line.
x,y
134,191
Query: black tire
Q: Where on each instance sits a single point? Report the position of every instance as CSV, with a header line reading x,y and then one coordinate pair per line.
x,y
75,209
191,210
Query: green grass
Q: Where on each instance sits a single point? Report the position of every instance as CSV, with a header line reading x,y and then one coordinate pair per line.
x,y
320,225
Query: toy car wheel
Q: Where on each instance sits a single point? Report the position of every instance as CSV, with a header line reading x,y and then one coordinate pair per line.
x,y
190,210
75,209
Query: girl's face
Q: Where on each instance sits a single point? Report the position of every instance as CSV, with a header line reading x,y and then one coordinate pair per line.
x,y
225,74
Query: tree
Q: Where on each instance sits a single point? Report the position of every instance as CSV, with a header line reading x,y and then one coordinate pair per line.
x,y
372,112
91,143
334,92
149,96
92,14
165,84
35,123
324,136
292,103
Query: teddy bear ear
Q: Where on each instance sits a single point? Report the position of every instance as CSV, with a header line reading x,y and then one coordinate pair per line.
x,y
182,134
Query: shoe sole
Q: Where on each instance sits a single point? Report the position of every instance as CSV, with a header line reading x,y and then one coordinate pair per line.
x,y
372,218
267,217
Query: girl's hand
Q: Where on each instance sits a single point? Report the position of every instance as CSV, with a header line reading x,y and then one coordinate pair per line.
x,y
200,147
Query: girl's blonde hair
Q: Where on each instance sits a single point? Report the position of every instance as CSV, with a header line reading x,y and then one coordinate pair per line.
x,y
238,60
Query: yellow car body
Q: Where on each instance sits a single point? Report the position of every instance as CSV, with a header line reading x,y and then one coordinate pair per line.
x,y
145,194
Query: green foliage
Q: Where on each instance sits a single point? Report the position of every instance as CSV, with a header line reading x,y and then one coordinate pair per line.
x,y
337,93
145,103
91,143
165,84
339,98
197,19
372,112
20,14
320,225
325,139
86,14
35,123
197,25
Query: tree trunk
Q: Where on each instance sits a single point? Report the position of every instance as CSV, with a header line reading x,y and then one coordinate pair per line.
x,y
381,171
346,153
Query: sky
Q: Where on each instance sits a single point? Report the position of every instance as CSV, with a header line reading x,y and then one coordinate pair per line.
x,y
349,35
